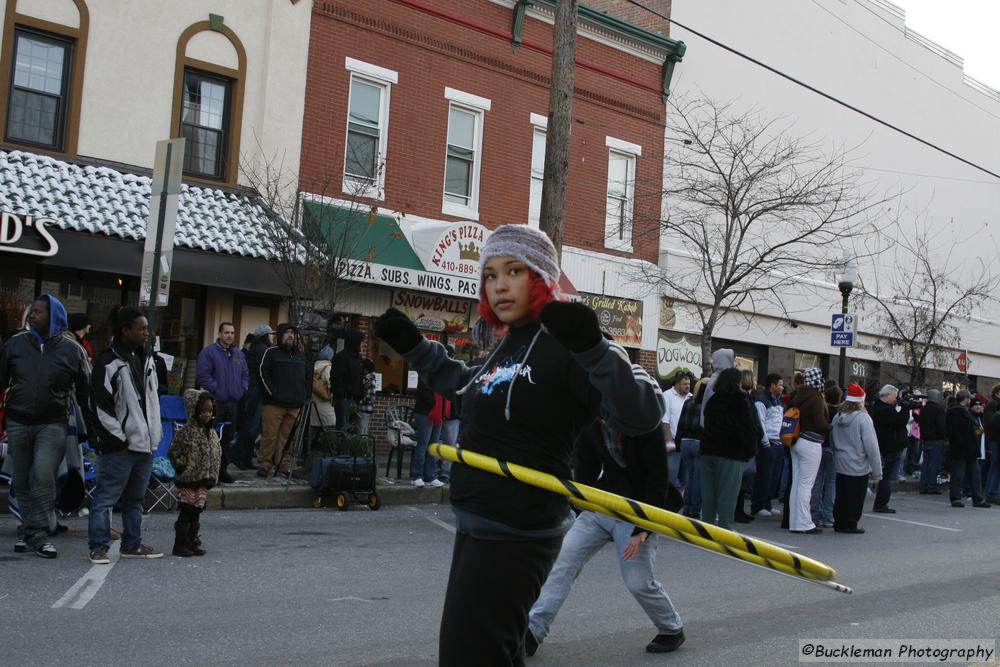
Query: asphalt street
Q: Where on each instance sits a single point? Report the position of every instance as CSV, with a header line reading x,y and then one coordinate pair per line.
x,y
321,587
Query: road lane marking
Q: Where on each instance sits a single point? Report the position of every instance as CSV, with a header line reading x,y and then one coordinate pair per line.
x,y
352,599
444,524
914,523
84,590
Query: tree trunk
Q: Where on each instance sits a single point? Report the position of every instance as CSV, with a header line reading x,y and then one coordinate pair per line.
x,y
706,351
560,118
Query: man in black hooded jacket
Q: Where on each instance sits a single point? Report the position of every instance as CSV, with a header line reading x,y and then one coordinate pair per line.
x,y
346,376
285,381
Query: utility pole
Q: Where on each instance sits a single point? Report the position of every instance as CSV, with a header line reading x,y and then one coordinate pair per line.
x,y
560,119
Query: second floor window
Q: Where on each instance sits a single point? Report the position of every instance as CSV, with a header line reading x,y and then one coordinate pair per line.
x,y
537,176
365,132
618,214
204,124
36,112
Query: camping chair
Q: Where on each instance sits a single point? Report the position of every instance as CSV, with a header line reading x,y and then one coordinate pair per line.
x,y
161,490
400,434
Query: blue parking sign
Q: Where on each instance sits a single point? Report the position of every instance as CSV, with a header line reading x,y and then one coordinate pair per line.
x,y
842,330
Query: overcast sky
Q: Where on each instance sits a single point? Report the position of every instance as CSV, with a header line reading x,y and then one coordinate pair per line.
x,y
970,28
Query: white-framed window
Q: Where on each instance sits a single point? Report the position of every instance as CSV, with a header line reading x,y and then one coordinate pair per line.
x,y
621,194
367,129
538,133
463,154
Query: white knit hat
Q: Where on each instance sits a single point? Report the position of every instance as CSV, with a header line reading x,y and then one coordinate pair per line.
x,y
528,245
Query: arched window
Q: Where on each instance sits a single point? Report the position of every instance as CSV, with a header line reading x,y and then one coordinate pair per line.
x,y
41,75
209,80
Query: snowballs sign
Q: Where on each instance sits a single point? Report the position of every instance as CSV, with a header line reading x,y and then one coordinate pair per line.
x,y
13,239
434,312
675,353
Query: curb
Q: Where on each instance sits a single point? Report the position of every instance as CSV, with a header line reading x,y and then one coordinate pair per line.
x,y
298,496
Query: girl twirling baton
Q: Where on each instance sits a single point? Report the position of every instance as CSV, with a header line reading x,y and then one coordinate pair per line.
x,y
542,384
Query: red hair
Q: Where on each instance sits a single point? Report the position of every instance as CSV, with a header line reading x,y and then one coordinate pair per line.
x,y
539,294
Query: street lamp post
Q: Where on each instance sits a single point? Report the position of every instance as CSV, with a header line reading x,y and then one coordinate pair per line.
x,y
848,276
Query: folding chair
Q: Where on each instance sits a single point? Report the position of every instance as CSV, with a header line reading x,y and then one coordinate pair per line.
x,y
401,438
161,490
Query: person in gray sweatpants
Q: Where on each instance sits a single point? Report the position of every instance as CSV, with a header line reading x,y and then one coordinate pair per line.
x,y
635,468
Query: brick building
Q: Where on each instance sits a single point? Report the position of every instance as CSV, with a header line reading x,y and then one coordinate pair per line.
x,y
433,114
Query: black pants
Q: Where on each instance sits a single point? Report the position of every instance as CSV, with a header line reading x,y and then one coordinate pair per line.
x,y
491,588
226,412
962,471
849,502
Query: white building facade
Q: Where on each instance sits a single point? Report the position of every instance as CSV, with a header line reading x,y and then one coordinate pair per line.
x,y
861,52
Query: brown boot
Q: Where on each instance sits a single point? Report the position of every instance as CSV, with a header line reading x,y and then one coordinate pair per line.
x,y
194,539
182,544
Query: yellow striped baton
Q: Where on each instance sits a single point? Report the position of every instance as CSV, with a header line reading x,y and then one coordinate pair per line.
x,y
690,530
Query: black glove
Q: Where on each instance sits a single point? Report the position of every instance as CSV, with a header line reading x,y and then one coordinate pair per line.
x,y
572,324
398,331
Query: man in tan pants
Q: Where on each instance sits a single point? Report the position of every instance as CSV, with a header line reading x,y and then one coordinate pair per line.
x,y
285,383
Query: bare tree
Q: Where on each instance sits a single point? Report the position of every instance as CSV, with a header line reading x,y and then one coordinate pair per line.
x,y
751,210
925,296
317,246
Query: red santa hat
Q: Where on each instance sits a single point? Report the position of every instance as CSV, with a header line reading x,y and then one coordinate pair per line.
x,y
855,394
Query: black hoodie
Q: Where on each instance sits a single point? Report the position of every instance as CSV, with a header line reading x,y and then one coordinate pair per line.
x,y
345,370
527,405
283,374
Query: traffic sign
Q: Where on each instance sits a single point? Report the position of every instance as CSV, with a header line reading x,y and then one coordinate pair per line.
x,y
842,330
962,362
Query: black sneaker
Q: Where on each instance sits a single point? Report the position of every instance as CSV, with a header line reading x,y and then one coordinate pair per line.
x,y
20,547
46,551
849,531
530,644
957,503
883,510
99,555
981,504
665,643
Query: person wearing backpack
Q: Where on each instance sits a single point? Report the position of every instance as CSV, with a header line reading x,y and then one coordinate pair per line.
x,y
807,449
730,437
689,435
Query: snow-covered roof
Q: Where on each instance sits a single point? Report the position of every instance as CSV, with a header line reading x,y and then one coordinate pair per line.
x,y
101,200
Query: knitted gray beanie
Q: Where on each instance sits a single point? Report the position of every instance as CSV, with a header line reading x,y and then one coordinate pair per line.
x,y
528,245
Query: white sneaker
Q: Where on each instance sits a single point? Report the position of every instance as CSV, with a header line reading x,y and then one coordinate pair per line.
x,y
775,512
763,513
419,483
437,484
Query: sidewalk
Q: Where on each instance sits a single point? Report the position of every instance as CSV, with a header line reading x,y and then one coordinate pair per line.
x,y
251,492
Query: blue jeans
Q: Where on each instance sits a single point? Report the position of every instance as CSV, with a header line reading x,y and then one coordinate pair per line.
x,y
690,449
449,436
343,408
824,489
122,475
249,429
674,467
422,465
589,533
992,489
890,473
36,451
933,456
